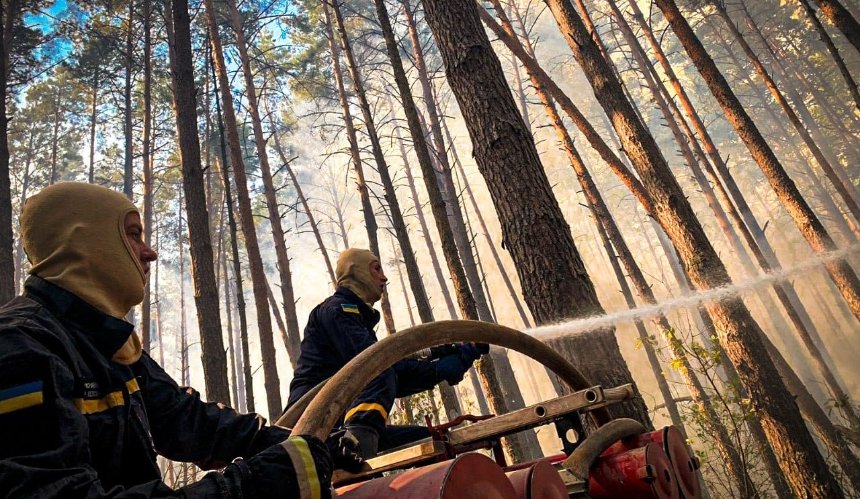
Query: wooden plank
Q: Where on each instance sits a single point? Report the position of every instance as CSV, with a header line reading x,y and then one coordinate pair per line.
x,y
423,450
526,418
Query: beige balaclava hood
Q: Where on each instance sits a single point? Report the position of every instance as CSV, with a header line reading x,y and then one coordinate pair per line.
x,y
353,273
74,236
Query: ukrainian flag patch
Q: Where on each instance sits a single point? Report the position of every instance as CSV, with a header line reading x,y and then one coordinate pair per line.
x,y
21,397
350,308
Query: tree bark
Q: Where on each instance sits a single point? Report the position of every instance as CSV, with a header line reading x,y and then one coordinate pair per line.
x,y
128,173
490,243
807,222
834,52
555,283
842,19
7,264
146,306
739,334
286,278
258,277
202,271
446,183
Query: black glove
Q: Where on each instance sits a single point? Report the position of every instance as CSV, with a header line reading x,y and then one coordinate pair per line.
x,y
275,473
345,451
364,437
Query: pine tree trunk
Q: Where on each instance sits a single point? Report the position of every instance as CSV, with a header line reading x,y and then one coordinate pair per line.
x,y
785,292
829,170
7,265
446,182
834,52
609,231
20,256
842,19
91,172
807,222
55,138
146,306
555,283
235,376
449,395
258,277
739,334
287,292
366,207
425,230
246,381
402,283
490,243
128,173
202,263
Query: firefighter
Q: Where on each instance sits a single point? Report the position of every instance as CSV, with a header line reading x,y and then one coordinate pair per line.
x,y
83,410
340,328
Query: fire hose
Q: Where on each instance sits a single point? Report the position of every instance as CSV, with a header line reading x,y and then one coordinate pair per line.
x,y
326,408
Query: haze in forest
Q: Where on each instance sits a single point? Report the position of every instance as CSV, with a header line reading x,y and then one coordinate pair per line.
x,y
711,222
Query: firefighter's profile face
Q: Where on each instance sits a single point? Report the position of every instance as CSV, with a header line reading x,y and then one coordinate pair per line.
x,y
134,236
377,275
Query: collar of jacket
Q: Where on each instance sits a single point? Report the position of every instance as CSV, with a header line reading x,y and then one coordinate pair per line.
x,y
369,314
103,331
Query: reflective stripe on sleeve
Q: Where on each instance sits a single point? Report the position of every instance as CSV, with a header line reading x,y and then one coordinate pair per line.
x,y
306,470
367,407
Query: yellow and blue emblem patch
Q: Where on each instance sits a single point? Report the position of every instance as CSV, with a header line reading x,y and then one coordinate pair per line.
x,y
21,397
350,308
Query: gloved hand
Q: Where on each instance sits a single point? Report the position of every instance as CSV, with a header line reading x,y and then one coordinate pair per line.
x,y
365,438
452,368
345,450
474,351
274,472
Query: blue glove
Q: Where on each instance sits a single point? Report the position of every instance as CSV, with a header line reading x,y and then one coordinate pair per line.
x,y
452,368
473,351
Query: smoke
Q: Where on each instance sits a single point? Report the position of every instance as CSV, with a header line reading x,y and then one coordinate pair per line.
x,y
693,299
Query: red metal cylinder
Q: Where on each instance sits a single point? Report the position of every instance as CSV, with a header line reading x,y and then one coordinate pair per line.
x,y
540,481
684,463
468,476
640,473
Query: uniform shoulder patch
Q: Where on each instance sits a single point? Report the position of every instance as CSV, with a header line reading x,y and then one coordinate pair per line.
x,y
20,397
350,308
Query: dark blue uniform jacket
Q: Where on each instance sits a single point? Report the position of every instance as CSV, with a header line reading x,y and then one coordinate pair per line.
x,y
75,424
339,329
